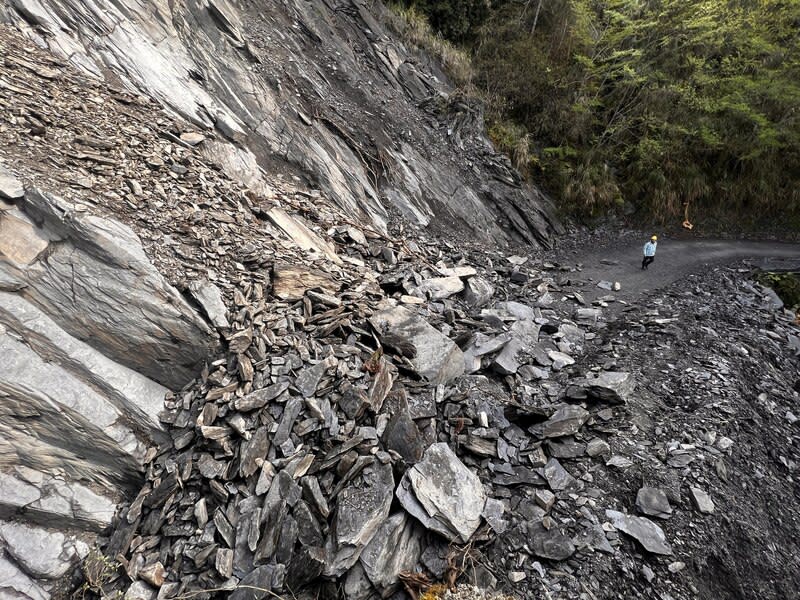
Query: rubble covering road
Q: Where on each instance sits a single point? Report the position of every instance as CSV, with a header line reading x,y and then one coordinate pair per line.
x,y
370,429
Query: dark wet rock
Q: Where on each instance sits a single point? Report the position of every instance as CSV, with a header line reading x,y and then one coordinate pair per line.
x,y
567,420
402,435
549,543
558,478
395,548
258,584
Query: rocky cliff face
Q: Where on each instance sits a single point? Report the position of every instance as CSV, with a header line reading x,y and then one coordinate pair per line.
x,y
312,96
92,338
316,89
367,409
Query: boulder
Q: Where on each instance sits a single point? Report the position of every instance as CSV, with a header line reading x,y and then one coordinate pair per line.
x,y
91,276
443,494
644,531
435,357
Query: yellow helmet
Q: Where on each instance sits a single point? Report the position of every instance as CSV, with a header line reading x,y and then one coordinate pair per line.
x,y
654,238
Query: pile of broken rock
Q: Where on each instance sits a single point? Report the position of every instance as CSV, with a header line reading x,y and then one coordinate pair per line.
x,y
360,430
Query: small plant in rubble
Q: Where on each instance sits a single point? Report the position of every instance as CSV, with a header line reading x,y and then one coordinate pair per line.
x,y
98,571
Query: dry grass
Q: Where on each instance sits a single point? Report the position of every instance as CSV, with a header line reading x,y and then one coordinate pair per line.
x,y
414,30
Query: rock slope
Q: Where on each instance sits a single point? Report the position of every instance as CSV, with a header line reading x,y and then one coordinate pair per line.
x,y
387,409
317,89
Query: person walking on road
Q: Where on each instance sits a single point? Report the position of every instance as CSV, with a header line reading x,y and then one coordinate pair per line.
x,y
649,252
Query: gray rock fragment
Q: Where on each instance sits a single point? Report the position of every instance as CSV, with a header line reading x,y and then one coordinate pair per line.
x,y
443,494
258,584
396,547
598,447
360,511
567,420
653,502
309,379
701,500
437,358
477,292
44,554
644,531
558,478
607,386
10,187
139,590
549,543
560,359
440,288
209,297
493,513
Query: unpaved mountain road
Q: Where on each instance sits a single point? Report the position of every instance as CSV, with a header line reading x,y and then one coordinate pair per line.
x,y
674,260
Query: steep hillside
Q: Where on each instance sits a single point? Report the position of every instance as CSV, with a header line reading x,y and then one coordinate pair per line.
x,y
234,372
313,89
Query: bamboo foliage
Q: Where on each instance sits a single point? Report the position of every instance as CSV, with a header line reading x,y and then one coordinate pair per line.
x,y
653,103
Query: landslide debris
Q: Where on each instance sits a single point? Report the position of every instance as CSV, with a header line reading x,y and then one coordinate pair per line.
x,y
336,445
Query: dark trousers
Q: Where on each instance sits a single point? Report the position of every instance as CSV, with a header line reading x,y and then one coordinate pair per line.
x,y
647,260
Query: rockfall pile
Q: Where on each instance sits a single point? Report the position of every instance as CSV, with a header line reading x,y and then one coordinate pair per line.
x,y
367,437
378,409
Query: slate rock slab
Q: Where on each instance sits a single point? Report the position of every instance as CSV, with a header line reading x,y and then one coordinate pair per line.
x,y
437,358
613,387
550,543
10,187
396,547
360,512
567,420
209,297
701,500
653,502
644,531
439,288
443,494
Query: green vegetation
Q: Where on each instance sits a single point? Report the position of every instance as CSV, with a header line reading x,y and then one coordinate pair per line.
x,y
653,103
786,285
